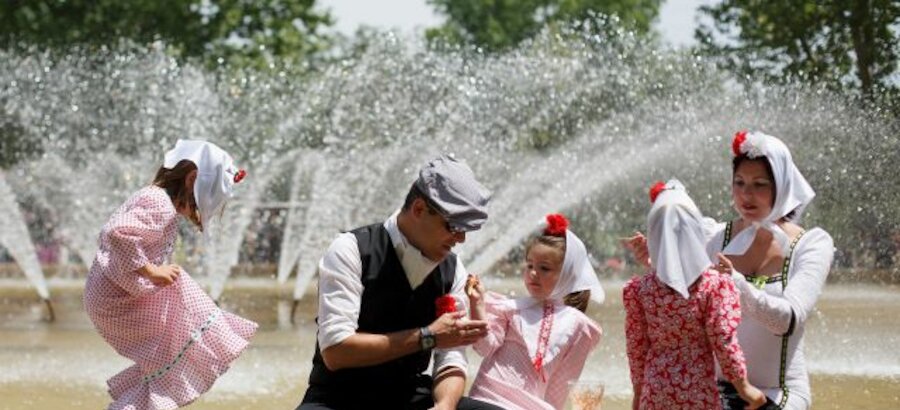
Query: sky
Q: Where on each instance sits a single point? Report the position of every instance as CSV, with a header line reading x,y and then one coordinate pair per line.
x,y
676,20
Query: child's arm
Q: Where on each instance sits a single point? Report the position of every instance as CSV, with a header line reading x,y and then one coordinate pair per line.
x,y
637,343
131,234
475,292
163,275
723,315
495,313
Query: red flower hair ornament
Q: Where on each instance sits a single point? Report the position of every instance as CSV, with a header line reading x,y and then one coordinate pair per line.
x,y
656,189
751,144
239,176
556,225
444,304
738,140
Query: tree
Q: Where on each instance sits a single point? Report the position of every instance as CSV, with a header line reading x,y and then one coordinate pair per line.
x,y
838,42
499,24
240,32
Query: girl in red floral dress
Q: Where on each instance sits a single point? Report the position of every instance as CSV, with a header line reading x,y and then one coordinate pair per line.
x,y
682,316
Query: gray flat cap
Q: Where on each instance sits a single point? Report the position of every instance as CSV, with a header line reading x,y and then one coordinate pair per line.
x,y
452,187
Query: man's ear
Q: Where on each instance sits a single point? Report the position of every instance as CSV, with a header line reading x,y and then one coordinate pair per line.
x,y
418,207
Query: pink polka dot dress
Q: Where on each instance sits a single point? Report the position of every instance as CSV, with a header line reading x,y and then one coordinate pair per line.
x,y
672,342
180,341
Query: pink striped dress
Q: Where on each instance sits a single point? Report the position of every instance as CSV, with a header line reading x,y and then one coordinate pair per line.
x,y
507,376
180,341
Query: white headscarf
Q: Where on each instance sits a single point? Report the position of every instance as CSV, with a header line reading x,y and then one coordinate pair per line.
x,y
677,239
577,274
792,192
215,175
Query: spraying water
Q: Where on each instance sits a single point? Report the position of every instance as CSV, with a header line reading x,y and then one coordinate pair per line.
x,y
571,121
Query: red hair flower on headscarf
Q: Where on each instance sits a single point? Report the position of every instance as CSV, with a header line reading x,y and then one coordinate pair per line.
x,y
656,189
739,139
239,176
556,225
444,304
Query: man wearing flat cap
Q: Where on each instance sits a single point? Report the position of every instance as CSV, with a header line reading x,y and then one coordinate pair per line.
x,y
378,287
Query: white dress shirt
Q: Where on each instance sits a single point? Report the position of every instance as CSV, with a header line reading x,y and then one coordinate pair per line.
x,y
340,289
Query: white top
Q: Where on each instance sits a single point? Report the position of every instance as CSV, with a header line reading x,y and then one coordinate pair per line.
x,y
767,317
340,289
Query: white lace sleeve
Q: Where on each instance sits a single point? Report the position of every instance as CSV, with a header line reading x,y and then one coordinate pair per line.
x,y
810,267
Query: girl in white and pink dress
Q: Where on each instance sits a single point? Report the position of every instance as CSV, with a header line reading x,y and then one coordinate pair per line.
x,y
537,345
151,311
682,316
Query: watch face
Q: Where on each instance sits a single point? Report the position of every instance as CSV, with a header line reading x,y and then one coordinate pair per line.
x,y
427,342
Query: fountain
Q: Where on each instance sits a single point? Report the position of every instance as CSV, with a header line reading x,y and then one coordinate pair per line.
x,y
575,123
14,237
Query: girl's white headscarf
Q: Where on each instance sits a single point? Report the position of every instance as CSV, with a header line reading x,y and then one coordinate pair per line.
x,y
577,274
792,192
215,175
677,238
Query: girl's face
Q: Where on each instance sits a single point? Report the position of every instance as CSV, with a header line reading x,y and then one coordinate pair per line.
x,y
542,267
189,210
752,191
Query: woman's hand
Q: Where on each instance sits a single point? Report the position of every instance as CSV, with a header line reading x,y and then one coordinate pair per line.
x,y
164,275
725,266
637,244
750,394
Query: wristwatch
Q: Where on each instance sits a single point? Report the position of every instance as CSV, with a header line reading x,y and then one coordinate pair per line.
x,y
426,339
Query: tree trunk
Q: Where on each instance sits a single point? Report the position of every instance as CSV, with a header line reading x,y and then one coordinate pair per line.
x,y
863,35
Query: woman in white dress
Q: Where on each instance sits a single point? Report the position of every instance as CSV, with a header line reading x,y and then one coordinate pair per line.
x,y
779,268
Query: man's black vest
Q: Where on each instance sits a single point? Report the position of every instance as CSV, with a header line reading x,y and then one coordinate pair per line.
x,y
388,305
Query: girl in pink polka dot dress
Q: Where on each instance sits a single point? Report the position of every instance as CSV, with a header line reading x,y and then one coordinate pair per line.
x,y
537,345
682,316
151,311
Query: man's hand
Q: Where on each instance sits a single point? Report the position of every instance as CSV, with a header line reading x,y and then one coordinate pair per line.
x,y
453,329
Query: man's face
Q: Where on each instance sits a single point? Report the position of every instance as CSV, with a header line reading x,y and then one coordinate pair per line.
x,y
434,237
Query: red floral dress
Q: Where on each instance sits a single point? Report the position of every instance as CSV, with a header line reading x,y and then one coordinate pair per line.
x,y
671,341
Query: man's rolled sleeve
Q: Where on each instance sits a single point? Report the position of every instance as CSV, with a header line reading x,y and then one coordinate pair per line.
x,y
340,291
455,357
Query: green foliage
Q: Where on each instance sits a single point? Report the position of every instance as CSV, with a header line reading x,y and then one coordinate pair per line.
x,y
837,42
501,24
238,32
